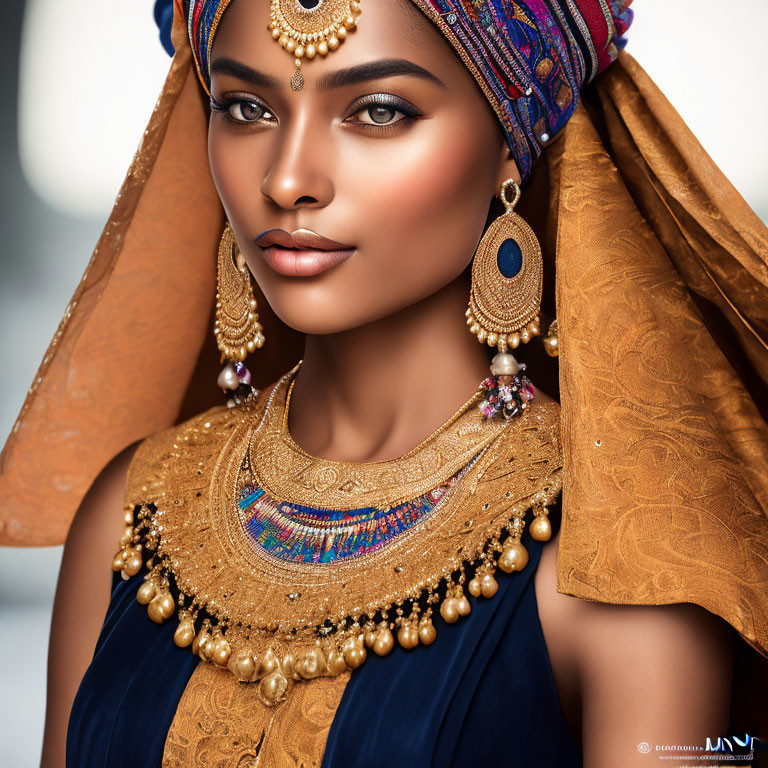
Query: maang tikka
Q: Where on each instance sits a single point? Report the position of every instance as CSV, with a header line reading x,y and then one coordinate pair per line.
x,y
311,27
237,328
504,304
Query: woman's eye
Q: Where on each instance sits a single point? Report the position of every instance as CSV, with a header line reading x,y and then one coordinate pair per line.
x,y
247,111
383,111
379,114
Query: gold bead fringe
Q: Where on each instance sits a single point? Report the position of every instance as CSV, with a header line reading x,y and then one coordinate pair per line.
x,y
275,659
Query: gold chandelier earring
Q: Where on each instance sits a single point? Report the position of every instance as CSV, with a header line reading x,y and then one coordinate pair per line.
x,y
237,328
504,304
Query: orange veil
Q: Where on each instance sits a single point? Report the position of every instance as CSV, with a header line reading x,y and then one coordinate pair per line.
x,y
658,275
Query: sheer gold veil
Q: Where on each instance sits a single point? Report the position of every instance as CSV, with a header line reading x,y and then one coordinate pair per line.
x,y
658,272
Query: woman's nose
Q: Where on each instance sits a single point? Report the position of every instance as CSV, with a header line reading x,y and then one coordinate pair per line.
x,y
300,172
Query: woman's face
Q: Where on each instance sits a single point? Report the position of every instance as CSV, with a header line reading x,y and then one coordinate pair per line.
x,y
390,149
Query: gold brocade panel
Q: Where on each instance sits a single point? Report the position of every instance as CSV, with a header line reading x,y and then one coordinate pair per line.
x,y
221,722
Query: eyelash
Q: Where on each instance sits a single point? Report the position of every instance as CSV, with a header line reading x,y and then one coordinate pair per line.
x,y
410,113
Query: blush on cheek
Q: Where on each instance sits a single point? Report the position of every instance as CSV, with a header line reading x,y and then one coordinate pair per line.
x,y
439,197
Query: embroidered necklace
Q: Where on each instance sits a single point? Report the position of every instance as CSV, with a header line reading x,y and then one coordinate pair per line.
x,y
283,567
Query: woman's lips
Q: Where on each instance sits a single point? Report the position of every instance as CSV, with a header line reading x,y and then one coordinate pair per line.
x,y
295,262
302,253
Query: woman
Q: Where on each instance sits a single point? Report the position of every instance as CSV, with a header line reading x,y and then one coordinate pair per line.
x,y
356,552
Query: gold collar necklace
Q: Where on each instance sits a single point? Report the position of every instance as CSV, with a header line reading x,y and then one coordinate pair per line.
x,y
283,567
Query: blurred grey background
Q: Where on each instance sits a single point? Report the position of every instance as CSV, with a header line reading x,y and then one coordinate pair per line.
x,y
81,82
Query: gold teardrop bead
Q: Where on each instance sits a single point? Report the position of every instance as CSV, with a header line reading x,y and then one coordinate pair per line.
x,y
550,346
427,632
312,664
154,613
408,636
355,655
449,610
474,587
146,592
541,528
268,664
369,637
488,585
184,634
133,563
273,686
206,647
160,607
514,557
463,606
289,664
167,606
125,539
242,666
221,652
118,561
336,663
384,642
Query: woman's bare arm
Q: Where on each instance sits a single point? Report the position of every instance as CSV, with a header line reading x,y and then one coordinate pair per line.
x,y
628,674
655,675
82,597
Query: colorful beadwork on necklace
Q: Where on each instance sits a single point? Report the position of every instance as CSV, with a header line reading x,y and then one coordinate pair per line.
x,y
304,534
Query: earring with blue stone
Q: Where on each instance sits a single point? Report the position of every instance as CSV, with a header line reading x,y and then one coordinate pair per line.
x,y
507,276
504,303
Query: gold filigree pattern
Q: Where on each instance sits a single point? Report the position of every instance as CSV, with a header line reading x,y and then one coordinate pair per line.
x,y
287,472
275,621
218,715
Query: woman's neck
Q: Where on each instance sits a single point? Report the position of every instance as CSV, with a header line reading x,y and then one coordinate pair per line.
x,y
375,392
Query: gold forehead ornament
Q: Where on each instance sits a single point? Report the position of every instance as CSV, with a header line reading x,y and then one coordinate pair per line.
x,y
308,27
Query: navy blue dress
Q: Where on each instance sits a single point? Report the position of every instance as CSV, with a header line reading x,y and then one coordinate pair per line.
x,y
481,694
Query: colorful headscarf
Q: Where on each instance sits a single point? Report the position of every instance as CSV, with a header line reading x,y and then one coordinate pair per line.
x,y
530,57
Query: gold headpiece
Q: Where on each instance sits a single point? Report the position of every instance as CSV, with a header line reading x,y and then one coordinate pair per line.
x,y
309,27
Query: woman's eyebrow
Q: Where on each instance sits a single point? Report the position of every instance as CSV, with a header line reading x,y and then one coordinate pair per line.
x,y
341,77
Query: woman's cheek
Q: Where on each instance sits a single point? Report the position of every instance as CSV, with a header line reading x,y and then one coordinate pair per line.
x,y
236,169
430,207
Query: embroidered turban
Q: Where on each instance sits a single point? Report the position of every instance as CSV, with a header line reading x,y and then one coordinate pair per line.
x,y
531,58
